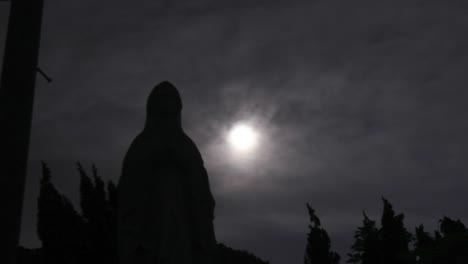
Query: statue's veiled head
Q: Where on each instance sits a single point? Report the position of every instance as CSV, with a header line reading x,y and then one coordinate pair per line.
x,y
164,106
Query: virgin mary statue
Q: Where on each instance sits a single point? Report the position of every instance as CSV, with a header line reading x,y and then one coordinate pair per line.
x,y
166,208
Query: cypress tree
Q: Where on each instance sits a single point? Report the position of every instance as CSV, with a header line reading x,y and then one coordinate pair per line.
x,y
99,213
394,237
366,247
452,246
59,225
318,243
424,246
88,208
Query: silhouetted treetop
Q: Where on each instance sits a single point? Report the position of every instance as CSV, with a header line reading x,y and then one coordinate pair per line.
x,y
366,247
394,237
58,224
318,243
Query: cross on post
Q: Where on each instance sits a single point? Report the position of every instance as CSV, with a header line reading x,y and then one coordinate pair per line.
x,y
16,104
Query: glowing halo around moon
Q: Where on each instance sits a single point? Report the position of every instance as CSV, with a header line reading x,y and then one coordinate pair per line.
x,y
243,138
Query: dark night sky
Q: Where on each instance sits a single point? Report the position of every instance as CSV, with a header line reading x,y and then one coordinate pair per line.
x,y
353,99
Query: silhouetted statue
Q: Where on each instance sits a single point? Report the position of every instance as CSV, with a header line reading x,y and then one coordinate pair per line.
x,y
166,208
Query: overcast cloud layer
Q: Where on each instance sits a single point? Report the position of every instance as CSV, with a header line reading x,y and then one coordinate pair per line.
x,y
355,100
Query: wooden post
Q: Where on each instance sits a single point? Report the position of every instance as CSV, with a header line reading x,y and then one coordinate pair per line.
x,y
16,104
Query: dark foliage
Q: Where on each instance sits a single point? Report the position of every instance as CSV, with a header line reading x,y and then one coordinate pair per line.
x,y
70,237
366,248
394,237
90,237
448,245
318,243
98,209
424,246
59,226
390,244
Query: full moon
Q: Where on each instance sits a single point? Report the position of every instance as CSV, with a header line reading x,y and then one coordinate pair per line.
x,y
243,137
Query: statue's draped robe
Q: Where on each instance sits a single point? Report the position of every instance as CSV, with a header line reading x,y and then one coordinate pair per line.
x,y
165,203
